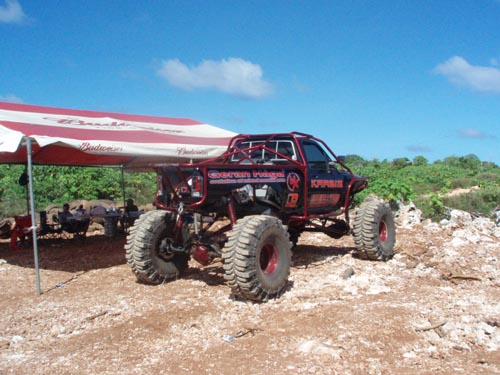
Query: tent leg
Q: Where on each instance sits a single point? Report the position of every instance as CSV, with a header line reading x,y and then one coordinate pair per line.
x,y
27,193
123,188
33,216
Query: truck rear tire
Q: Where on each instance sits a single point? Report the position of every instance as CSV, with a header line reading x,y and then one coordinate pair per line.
x,y
374,230
257,258
147,249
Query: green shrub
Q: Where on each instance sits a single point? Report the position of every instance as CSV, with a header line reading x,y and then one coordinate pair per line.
x,y
56,185
432,207
481,201
461,182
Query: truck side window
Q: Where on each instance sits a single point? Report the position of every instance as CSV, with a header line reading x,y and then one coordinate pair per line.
x,y
255,154
286,148
316,157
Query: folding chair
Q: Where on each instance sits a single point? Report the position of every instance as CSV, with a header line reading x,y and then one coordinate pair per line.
x,y
21,230
129,218
75,228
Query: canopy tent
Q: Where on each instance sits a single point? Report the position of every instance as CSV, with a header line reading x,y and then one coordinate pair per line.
x,y
55,136
88,138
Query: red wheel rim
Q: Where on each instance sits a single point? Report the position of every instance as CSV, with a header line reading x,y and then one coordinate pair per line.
x,y
382,231
268,259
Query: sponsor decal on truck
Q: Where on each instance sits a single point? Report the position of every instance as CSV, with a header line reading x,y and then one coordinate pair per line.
x,y
327,184
217,177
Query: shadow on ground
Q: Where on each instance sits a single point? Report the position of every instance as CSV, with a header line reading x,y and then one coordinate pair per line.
x,y
74,255
310,255
97,252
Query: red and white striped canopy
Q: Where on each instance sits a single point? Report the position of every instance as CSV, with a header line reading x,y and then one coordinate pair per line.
x,y
76,137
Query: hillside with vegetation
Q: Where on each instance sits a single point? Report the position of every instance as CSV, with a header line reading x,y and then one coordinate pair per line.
x,y
428,185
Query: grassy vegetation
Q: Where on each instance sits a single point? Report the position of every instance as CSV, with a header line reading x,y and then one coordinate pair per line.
x,y
56,185
427,184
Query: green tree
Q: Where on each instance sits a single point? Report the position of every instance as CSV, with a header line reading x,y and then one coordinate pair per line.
x,y
355,160
470,161
451,161
399,163
419,161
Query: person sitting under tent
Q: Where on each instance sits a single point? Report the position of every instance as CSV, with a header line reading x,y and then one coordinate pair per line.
x,y
71,224
130,213
48,230
80,211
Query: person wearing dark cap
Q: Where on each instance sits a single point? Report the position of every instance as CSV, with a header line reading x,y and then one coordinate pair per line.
x,y
127,218
71,224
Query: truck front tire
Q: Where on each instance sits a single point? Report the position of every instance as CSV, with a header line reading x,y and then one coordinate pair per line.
x,y
257,258
147,251
374,230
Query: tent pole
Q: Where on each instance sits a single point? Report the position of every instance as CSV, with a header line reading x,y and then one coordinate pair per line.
x,y
33,216
27,194
123,189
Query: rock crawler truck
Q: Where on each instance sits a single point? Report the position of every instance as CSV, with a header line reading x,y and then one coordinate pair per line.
x,y
248,207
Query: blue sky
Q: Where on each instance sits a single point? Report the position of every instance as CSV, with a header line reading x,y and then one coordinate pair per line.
x,y
381,79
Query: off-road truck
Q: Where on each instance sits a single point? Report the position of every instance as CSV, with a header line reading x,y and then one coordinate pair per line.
x,y
248,208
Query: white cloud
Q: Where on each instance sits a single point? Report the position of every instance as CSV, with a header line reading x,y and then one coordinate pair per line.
x,y
474,134
11,12
233,76
418,148
10,98
480,78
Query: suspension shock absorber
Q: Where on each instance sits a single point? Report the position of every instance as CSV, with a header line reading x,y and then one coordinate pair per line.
x,y
197,182
230,210
179,223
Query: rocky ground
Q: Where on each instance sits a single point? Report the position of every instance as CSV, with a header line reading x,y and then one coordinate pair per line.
x,y
433,309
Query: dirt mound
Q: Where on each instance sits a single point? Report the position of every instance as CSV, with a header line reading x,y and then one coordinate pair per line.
x,y
433,309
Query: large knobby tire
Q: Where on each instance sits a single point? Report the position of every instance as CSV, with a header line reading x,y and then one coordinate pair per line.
x,y
257,258
374,230
151,262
